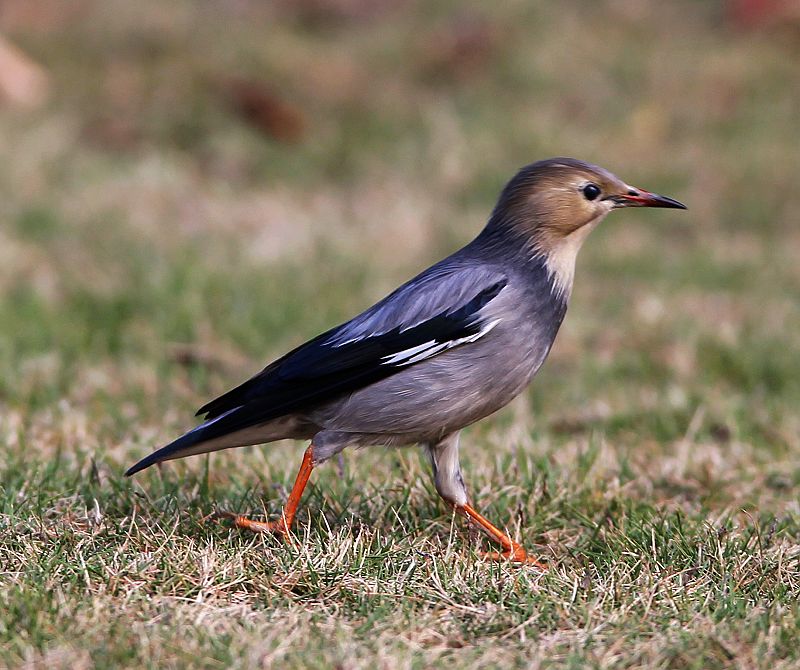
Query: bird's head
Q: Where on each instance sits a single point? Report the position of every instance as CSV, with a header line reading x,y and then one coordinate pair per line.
x,y
555,203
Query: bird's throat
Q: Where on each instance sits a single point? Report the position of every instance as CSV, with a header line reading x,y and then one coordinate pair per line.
x,y
559,254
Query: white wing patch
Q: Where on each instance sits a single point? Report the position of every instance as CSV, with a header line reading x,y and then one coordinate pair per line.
x,y
407,353
431,348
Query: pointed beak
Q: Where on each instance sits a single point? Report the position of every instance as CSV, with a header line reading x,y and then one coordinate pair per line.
x,y
637,197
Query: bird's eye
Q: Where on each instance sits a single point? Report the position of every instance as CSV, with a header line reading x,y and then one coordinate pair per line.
x,y
591,191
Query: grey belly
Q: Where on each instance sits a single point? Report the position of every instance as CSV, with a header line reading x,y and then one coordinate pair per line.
x,y
446,393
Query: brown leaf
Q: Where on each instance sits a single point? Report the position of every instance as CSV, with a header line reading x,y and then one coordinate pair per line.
x,y
264,109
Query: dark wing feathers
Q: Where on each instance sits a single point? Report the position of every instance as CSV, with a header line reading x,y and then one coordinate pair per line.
x,y
329,366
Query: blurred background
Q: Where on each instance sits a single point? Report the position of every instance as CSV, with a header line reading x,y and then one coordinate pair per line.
x,y
189,188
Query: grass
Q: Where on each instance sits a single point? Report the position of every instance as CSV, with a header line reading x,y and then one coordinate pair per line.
x,y
155,249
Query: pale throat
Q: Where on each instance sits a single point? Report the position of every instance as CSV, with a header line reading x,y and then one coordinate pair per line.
x,y
559,257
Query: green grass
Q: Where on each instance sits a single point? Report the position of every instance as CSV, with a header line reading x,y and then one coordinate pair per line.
x,y
653,463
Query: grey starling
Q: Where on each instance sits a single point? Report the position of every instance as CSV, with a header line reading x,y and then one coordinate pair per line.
x,y
449,347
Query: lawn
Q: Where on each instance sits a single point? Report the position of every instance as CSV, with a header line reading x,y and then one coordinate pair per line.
x,y
209,184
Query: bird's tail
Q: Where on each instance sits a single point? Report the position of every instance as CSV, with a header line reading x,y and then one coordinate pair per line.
x,y
208,436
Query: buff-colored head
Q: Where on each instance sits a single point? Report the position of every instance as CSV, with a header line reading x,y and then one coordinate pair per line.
x,y
554,204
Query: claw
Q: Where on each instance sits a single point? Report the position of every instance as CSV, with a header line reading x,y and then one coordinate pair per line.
x,y
278,527
516,555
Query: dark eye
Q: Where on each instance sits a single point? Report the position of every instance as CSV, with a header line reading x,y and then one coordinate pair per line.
x,y
591,191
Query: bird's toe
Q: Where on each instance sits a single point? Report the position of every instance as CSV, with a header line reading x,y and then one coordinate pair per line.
x,y
515,555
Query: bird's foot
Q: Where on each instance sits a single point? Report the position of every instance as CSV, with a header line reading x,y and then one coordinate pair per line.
x,y
515,555
512,551
281,526
277,527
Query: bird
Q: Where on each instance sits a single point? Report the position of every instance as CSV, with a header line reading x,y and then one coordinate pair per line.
x,y
446,349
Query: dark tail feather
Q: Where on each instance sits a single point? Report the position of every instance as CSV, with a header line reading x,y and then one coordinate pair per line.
x,y
172,450
199,440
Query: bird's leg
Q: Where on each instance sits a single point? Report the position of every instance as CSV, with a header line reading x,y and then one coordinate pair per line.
x,y
512,551
450,485
282,525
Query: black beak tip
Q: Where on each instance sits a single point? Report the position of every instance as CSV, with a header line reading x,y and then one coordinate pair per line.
x,y
670,203
648,199
642,198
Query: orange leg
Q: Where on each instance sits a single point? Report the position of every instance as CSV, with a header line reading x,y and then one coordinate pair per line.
x,y
511,550
282,525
